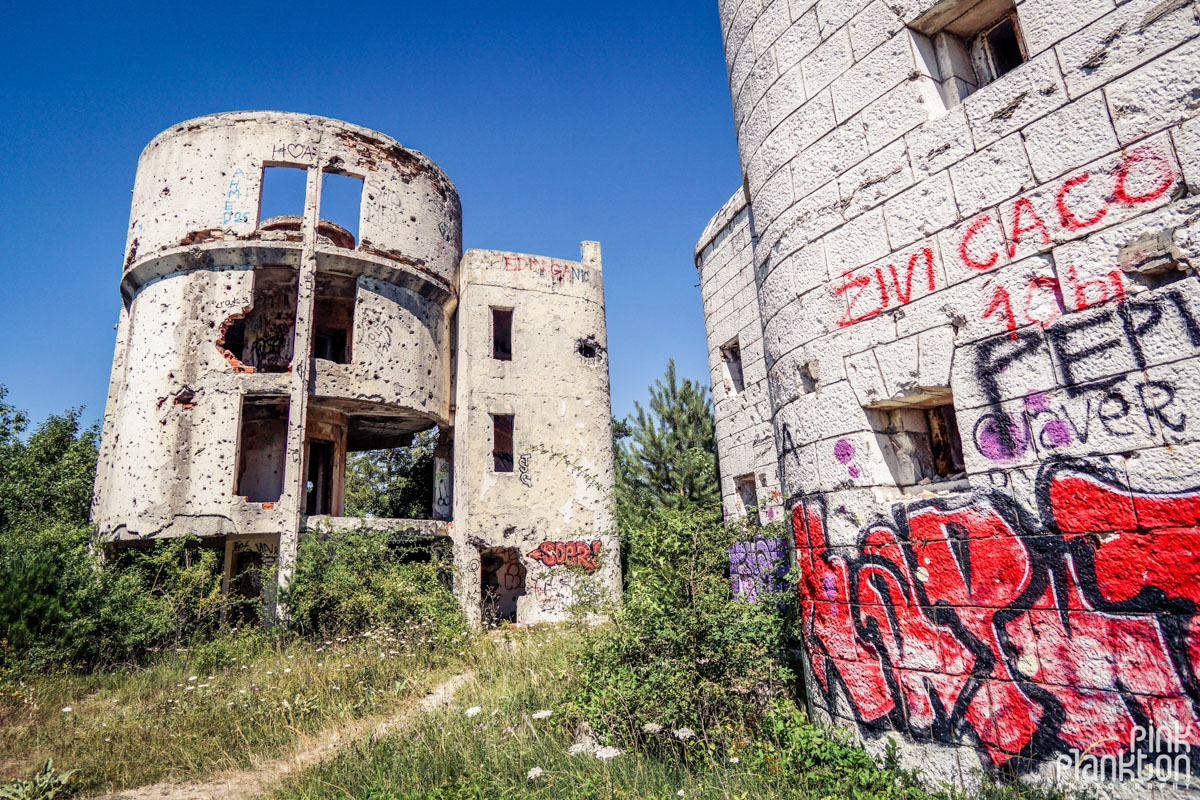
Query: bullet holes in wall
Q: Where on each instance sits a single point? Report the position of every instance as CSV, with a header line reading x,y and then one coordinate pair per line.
x,y
502,442
502,333
262,448
731,356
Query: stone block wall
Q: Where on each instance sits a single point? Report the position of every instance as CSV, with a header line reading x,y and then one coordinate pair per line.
x,y
995,475
741,406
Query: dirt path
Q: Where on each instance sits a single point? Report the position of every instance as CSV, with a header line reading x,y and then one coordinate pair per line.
x,y
260,779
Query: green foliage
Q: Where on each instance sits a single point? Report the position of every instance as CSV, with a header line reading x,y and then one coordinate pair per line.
x,y
47,784
682,652
392,484
61,604
670,458
49,476
363,580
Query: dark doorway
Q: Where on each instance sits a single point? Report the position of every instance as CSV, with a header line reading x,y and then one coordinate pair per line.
x,y
502,581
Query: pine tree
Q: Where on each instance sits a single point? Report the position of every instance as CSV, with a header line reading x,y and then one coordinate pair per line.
x,y
670,458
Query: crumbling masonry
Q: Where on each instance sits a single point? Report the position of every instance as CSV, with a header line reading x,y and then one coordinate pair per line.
x,y
253,355
953,320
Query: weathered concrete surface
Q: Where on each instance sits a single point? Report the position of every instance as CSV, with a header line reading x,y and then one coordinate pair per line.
x,y
1024,256
554,507
252,355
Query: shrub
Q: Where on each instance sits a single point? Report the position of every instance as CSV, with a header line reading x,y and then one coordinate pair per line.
x,y
60,603
354,581
683,652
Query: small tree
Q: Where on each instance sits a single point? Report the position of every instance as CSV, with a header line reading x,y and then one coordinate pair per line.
x,y
667,457
392,484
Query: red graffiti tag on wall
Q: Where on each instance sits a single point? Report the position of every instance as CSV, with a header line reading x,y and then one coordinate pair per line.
x,y
870,292
554,554
969,620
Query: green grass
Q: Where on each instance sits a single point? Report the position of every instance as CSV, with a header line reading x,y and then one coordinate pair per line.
x,y
197,712
448,754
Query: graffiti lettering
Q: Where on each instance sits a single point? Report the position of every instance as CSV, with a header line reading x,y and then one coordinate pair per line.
x,y
554,592
542,266
233,196
757,566
969,619
855,286
293,152
523,466
554,554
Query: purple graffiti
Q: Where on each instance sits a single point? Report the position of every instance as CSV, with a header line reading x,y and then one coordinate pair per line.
x,y
843,450
757,566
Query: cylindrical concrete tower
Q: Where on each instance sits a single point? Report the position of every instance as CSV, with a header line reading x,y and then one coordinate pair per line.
x,y
253,354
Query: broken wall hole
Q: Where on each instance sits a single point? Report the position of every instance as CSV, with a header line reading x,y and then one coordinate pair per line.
x,y
283,192
589,348
262,448
502,442
501,582
920,439
731,356
341,202
319,486
333,318
809,374
502,333
260,338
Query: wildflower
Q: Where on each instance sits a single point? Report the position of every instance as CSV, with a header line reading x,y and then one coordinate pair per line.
x,y
289,669
192,678
108,740
67,709
733,759
684,734
204,686
534,773
605,753
680,793
579,747
188,689
542,714
651,727
241,691
473,710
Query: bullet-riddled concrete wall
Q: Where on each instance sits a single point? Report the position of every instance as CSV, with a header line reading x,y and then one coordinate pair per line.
x,y
741,404
550,517
995,478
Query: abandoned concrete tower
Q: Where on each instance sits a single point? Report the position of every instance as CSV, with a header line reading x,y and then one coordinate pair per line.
x,y
254,354
953,325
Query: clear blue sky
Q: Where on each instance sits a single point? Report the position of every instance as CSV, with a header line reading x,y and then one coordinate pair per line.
x,y
558,122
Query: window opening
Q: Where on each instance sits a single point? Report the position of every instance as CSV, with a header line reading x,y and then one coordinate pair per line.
x,y
319,495
283,192
731,354
920,440
971,43
262,448
747,494
502,334
502,442
1003,46
341,203
501,582
333,314
261,338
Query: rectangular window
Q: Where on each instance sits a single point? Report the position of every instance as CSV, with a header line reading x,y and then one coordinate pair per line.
x,y
341,204
971,43
502,442
920,439
731,354
333,314
319,489
747,494
502,334
283,192
262,448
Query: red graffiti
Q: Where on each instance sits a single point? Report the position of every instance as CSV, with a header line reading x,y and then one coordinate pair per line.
x,y
554,554
970,620
1027,219
854,287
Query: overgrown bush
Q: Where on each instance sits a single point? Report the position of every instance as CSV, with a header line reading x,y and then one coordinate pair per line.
x,y
353,581
60,603
682,651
